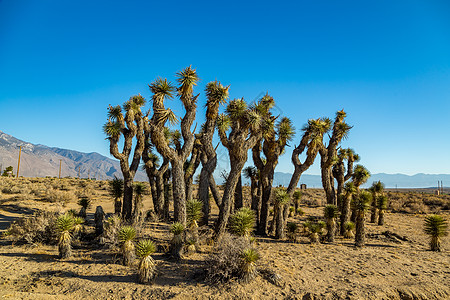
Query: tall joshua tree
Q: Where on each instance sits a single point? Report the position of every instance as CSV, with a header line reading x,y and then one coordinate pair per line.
x,y
253,174
376,189
349,191
359,177
161,90
155,172
311,141
273,145
216,95
245,127
328,155
339,171
361,204
130,125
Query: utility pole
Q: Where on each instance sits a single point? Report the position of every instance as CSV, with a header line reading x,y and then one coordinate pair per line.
x,y
60,161
89,174
18,163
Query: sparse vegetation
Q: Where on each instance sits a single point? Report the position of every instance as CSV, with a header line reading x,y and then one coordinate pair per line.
x,y
436,227
127,234
147,265
64,225
242,222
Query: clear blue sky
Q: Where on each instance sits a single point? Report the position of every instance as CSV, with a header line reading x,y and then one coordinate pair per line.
x,y
387,63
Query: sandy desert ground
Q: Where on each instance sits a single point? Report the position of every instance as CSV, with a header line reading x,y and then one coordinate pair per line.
x,y
388,267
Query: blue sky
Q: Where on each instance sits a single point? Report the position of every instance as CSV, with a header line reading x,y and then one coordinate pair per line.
x,y
387,63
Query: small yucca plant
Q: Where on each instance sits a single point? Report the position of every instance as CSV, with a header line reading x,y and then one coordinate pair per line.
x,y
242,222
436,227
77,225
349,230
176,244
64,224
127,234
330,213
248,268
292,230
315,230
291,211
147,266
85,203
297,196
193,212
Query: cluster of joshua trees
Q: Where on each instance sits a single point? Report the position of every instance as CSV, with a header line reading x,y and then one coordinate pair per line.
x,y
171,154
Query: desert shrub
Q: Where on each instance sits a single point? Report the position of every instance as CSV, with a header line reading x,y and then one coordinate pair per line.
x,y
62,197
147,266
232,258
127,234
242,222
436,227
37,228
110,237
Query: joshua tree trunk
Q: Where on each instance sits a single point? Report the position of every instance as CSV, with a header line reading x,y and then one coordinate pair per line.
x,y
373,215
127,203
360,235
279,230
167,195
331,228
190,170
256,198
238,197
345,212
267,182
228,193
179,204
338,172
381,217
328,185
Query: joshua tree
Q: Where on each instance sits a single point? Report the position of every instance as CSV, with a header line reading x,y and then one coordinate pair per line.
x,y
139,190
315,230
116,191
190,167
376,189
297,197
129,125
292,230
126,236
436,227
64,224
359,177
155,172
361,205
349,227
85,203
194,215
253,174
328,155
161,90
349,191
216,95
272,146
99,217
177,242
242,222
382,205
330,213
247,127
311,141
248,268
147,266
281,198
339,171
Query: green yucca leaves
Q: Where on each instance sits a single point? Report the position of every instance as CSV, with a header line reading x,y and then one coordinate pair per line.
x,y
250,255
64,223
84,202
362,201
281,197
112,129
382,202
435,225
127,233
297,195
285,129
360,175
194,210
162,88
292,227
223,123
145,248
116,187
216,93
236,109
177,228
242,222
330,211
349,226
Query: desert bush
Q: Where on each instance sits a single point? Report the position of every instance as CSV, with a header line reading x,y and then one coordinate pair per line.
x,y
314,230
110,236
55,196
37,228
292,231
233,257
349,230
64,224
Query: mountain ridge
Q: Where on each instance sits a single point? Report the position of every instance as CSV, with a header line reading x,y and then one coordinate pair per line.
x,y
39,160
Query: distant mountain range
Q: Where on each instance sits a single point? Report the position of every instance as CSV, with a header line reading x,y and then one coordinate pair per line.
x,y
41,161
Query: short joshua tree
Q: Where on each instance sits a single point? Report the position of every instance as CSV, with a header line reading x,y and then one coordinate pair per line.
x,y
147,266
242,222
77,226
361,205
64,224
193,216
349,230
292,231
248,268
330,213
314,230
436,227
85,203
297,196
382,205
116,191
127,234
99,218
177,242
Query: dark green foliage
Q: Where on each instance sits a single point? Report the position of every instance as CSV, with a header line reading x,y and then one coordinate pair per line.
x,y
436,227
242,222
